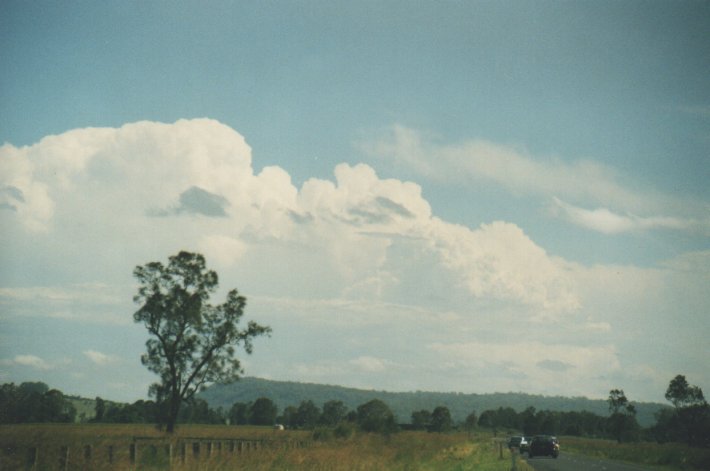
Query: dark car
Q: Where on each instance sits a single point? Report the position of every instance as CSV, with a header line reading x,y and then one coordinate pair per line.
x,y
544,445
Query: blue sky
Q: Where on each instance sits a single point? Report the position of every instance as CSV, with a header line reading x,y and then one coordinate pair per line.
x,y
464,196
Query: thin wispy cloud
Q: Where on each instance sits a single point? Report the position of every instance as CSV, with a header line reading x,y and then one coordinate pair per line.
x,y
608,222
550,179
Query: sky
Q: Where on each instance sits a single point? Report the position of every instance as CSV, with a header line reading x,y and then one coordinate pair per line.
x,y
439,196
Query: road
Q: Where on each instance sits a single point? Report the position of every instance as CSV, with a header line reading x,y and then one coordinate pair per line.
x,y
567,462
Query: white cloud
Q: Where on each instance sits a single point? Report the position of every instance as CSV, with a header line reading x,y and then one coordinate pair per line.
x,y
524,174
358,260
508,166
164,187
532,366
605,221
222,249
31,361
99,358
369,364
92,302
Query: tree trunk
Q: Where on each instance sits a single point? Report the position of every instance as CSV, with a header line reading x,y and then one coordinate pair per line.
x,y
173,410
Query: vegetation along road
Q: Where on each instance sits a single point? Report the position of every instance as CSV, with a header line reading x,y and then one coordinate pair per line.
x,y
567,462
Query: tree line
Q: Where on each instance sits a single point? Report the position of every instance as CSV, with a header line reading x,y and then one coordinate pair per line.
x,y
687,421
34,402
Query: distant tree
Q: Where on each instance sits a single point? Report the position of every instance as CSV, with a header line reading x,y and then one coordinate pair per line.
x,y
681,394
34,402
33,387
239,413
289,418
307,415
441,420
622,421
548,422
503,417
54,407
197,411
333,413
263,412
100,410
471,421
421,420
692,413
376,416
531,423
192,342
487,419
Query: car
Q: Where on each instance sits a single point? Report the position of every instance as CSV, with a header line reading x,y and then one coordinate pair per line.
x,y
544,445
519,442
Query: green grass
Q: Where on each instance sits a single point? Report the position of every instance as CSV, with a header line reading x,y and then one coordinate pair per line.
x,y
664,456
279,450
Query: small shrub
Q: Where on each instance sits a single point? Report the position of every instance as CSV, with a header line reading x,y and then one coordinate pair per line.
x,y
321,434
344,430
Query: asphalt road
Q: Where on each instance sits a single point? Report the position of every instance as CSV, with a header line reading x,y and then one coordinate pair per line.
x,y
566,462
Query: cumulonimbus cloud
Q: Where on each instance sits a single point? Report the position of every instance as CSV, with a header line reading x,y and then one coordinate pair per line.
x,y
357,231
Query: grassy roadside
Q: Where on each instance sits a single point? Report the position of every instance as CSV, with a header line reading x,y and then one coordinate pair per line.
x,y
419,451
670,456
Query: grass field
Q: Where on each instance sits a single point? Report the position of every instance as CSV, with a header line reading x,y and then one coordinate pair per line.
x,y
669,455
126,447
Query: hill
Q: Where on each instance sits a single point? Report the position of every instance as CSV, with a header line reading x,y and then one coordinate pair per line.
x,y
287,393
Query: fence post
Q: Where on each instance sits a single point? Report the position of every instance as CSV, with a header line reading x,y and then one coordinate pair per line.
x,y
64,458
110,453
32,458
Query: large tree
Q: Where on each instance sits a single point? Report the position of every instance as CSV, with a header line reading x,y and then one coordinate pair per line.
x,y
263,412
692,412
333,413
622,421
441,420
376,416
192,343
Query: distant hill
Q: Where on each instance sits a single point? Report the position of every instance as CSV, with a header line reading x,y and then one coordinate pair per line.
x,y
286,393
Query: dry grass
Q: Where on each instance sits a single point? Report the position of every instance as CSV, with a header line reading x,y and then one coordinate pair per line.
x,y
277,450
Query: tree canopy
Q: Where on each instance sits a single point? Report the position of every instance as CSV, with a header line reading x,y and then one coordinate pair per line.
x,y
622,421
193,343
376,416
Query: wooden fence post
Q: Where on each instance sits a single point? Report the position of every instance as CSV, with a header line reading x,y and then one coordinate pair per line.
x,y
64,458
32,458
